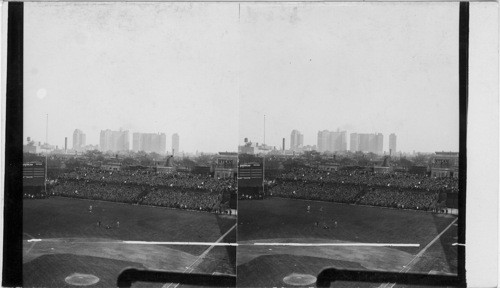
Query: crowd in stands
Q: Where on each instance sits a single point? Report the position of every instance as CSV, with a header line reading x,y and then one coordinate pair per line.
x,y
397,190
150,178
185,199
352,194
404,199
205,193
316,191
97,191
367,178
175,190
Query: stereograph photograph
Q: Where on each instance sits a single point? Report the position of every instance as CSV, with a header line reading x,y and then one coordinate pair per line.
x,y
241,144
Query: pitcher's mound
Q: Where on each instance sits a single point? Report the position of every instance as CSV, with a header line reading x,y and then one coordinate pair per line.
x,y
295,279
78,279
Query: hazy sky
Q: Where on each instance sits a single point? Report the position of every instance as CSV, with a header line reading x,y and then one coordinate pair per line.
x,y
210,71
360,67
148,67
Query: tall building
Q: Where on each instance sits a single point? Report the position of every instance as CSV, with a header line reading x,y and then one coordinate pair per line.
x,y
338,141
136,142
175,144
332,141
372,147
354,144
379,148
323,140
79,139
114,141
296,140
392,144
365,142
149,142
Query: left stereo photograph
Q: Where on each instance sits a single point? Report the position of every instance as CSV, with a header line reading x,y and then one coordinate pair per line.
x,y
130,130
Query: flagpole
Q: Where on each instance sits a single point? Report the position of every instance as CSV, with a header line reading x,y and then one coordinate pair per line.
x,y
46,153
45,182
264,159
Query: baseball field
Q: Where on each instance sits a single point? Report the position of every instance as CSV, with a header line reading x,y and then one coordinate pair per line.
x,y
279,238
67,243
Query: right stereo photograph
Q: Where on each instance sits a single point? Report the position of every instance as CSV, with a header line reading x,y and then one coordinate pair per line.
x,y
348,142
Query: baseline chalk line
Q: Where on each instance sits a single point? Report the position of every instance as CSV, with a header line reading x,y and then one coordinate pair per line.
x,y
35,240
132,242
180,243
339,244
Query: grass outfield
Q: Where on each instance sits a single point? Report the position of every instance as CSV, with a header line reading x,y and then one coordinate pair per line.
x,y
278,220
72,242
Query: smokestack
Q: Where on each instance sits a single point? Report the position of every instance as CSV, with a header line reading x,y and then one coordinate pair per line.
x,y
65,144
283,144
246,140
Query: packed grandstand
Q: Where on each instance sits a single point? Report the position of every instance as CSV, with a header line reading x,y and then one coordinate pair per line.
x,y
360,186
397,190
204,192
174,190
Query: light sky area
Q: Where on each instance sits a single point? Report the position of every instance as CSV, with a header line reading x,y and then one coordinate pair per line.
x,y
143,67
361,67
210,71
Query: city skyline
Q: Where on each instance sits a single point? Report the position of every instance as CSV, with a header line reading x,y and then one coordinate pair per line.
x,y
390,144
133,142
296,142
337,141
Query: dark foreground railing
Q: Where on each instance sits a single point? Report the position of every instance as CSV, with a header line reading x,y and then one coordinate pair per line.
x,y
129,276
329,276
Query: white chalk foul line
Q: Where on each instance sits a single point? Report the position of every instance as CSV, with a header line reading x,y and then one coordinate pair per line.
x,y
137,242
336,244
191,267
213,244
408,266
35,240
179,243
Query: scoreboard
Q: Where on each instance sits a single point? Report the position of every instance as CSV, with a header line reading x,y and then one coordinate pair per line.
x,y
34,174
250,175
